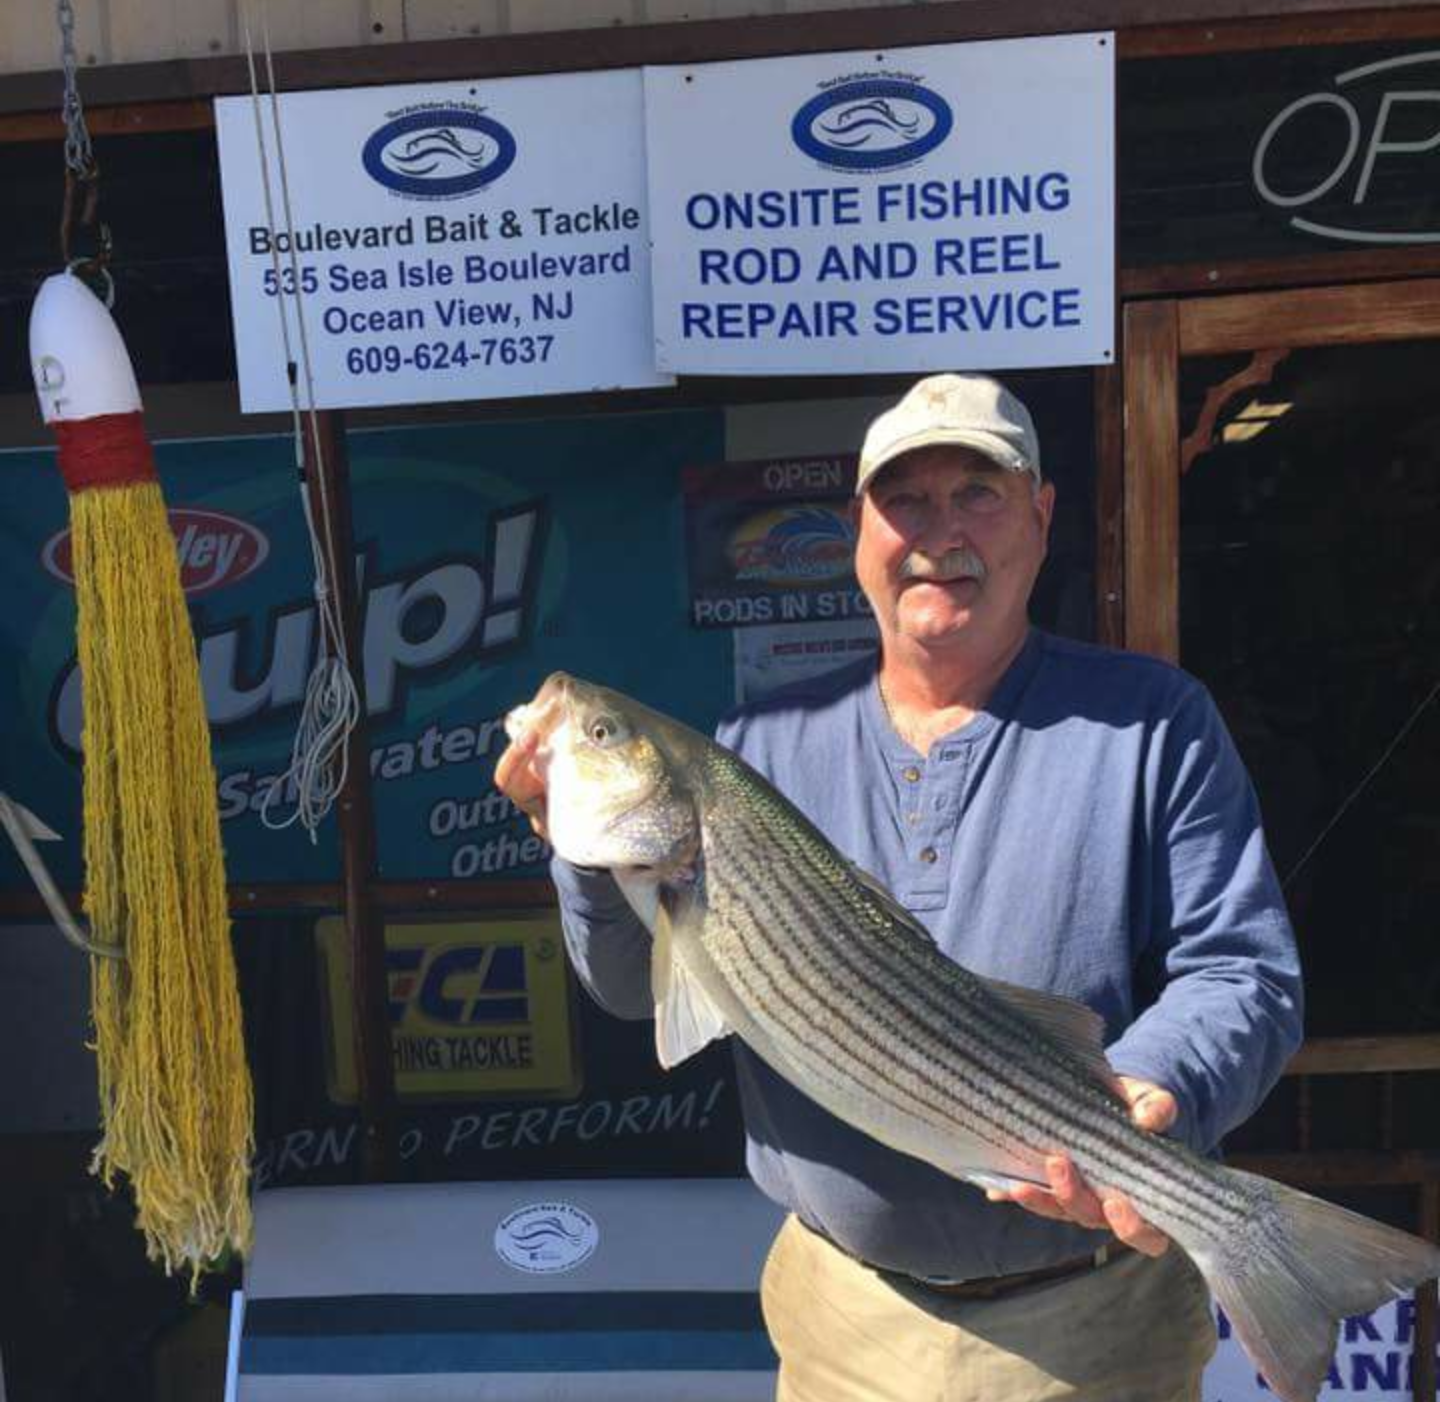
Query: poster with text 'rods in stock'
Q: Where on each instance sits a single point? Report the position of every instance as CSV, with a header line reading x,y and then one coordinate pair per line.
x,y
443,241
946,207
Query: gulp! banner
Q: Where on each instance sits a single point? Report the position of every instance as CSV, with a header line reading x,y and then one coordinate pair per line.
x,y
945,207
486,556
446,241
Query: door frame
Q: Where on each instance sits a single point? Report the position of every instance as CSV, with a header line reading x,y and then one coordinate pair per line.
x,y
1156,334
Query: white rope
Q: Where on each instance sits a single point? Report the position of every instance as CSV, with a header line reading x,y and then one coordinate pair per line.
x,y
1362,785
331,709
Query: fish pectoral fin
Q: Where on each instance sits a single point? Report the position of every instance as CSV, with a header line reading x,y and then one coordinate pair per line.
x,y
686,1018
1074,1028
642,894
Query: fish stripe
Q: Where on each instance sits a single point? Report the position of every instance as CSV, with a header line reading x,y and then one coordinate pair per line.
x,y
1125,1157
804,1025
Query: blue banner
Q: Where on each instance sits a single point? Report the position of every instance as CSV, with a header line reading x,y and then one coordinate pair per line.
x,y
489,555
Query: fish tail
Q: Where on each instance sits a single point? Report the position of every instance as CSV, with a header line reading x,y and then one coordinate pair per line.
x,y
1294,1269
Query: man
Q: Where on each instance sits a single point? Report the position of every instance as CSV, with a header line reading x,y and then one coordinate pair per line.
x,y
1057,815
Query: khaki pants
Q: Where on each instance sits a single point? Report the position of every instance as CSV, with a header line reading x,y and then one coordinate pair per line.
x,y
1135,1330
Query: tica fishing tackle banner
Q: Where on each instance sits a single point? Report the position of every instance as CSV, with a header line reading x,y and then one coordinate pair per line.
x,y
488,556
477,1007
504,1068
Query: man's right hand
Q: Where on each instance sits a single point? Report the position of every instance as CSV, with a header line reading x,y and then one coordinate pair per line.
x,y
521,782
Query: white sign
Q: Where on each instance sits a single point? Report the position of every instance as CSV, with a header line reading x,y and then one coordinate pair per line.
x,y
946,207
1374,1358
771,655
451,240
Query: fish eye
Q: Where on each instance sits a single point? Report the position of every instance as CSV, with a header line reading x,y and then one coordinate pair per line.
x,y
604,730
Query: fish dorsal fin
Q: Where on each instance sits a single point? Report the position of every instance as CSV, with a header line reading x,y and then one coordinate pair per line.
x,y
1077,1030
686,1018
883,898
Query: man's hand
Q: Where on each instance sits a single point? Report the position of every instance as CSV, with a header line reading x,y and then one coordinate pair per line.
x,y
1071,1199
518,779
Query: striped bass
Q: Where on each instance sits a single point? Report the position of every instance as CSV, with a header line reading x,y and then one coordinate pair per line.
x,y
762,929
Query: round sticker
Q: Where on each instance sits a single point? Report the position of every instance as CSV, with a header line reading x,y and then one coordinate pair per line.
x,y
546,1237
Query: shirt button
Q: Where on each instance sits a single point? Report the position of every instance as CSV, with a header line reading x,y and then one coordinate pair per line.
x,y
928,855
912,775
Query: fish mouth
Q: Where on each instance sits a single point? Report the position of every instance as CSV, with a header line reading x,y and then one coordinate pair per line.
x,y
545,712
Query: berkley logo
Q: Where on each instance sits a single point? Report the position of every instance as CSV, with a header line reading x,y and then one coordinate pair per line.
x,y
214,550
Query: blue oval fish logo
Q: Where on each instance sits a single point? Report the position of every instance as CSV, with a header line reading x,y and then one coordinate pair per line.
x,y
545,1238
872,124
440,152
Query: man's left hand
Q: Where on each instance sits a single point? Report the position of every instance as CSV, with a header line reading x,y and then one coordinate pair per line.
x,y
1071,1199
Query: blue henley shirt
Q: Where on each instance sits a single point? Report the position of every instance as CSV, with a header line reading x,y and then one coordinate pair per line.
x,y
1092,832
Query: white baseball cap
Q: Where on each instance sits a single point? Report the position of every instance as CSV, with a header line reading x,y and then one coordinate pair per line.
x,y
969,411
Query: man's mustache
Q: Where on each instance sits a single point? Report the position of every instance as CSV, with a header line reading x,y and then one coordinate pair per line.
x,y
960,563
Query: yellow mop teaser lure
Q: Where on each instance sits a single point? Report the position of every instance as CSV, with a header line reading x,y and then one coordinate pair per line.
x,y
175,1096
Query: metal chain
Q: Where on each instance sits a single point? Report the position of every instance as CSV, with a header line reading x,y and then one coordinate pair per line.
x,y
78,155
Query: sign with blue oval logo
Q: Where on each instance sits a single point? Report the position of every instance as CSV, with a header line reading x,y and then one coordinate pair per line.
x,y
872,124
455,241
824,214
439,153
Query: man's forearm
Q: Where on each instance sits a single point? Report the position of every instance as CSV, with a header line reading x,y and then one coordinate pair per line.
x,y
609,947
1218,1043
